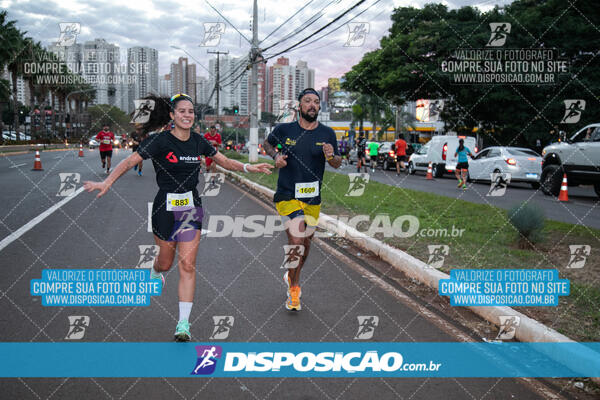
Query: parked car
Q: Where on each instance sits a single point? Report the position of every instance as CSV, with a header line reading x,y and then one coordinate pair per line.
x,y
93,143
386,157
523,165
440,152
12,135
578,157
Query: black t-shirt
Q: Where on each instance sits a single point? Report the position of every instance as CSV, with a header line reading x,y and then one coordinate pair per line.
x,y
176,163
362,144
305,161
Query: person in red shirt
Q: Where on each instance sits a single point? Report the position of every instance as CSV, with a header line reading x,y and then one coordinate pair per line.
x,y
106,139
400,154
213,138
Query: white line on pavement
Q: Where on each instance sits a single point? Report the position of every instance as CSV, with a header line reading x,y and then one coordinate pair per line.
x,y
19,232
17,166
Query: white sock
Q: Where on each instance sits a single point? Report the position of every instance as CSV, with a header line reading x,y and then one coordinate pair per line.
x,y
185,308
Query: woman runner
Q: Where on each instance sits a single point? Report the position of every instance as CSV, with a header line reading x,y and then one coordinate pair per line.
x,y
462,167
177,209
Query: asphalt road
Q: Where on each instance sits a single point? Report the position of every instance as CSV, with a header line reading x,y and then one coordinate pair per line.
x,y
583,207
235,277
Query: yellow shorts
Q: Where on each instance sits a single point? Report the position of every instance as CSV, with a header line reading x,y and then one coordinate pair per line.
x,y
294,208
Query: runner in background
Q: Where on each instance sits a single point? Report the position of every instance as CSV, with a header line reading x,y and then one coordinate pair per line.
x,y
106,138
400,154
214,138
373,154
361,148
136,138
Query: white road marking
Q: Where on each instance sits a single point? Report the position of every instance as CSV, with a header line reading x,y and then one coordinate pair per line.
x,y
17,166
19,232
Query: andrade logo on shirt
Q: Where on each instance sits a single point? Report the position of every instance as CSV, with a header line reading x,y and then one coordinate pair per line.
x,y
172,158
187,159
290,142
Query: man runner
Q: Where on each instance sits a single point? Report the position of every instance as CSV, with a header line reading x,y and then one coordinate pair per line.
x,y
400,146
106,139
361,147
305,147
214,138
373,154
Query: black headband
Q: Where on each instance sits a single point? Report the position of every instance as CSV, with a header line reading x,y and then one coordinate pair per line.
x,y
308,91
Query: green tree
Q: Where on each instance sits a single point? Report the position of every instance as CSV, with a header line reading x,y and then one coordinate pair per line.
x,y
407,66
114,117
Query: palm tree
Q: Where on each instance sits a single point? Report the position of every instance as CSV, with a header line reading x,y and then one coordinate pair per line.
x,y
12,42
359,111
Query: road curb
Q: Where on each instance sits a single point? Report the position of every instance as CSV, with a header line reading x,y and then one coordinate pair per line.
x,y
529,329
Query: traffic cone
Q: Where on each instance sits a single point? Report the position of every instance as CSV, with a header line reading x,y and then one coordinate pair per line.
x,y
80,150
37,164
429,173
564,193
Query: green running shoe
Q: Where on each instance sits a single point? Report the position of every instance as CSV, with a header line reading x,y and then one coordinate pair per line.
x,y
182,332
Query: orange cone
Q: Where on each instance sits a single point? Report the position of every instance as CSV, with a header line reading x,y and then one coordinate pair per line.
x,y
429,173
37,164
80,150
564,193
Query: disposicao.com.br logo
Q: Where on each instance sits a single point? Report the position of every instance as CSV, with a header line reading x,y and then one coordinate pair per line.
x,y
309,363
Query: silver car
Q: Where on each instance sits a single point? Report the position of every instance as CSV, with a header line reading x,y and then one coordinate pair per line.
x,y
523,165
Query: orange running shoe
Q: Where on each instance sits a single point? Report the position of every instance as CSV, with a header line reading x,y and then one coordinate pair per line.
x,y
293,300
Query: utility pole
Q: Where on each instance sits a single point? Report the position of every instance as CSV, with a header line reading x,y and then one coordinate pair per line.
x,y
217,83
254,54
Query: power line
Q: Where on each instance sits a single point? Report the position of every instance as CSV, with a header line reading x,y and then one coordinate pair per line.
x,y
287,20
319,30
330,32
301,28
226,20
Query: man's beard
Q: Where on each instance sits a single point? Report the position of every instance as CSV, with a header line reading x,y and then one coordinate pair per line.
x,y
308,117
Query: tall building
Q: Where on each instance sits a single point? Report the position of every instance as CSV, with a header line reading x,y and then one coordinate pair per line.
x,y
234,85
281,84
334,85
101,68
203,90
303,77
23,95
183,78
164,85
142,63
262,87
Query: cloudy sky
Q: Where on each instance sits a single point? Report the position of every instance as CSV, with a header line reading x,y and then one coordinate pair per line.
x,y
180,23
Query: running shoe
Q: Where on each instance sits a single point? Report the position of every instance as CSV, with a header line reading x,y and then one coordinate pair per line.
x,y
182,332
107,171
135,167
464,186
288,281
293,300
159,277
460,182
140,173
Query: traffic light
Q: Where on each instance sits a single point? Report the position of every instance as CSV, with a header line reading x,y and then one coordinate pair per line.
x,y
236,109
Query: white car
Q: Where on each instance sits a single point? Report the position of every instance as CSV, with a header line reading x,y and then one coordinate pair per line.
x,y
523,165
440,152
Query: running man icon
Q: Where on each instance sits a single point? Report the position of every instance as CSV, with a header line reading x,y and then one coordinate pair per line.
x,y
500,32
366,326
207,359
